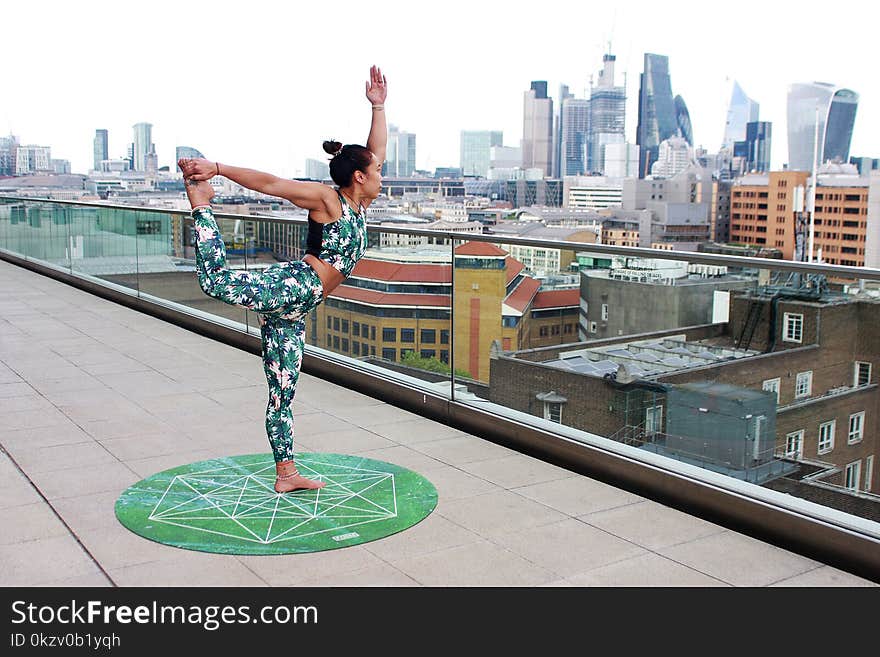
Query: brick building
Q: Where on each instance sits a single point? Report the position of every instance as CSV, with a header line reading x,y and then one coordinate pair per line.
x,y
763,213
814,354
399,301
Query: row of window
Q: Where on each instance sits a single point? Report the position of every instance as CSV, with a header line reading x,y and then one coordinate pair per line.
x,y
794,448
803,386
389,334
341,345
556,329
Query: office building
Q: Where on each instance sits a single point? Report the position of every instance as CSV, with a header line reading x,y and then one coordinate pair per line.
x,y
476,150
573,126
101,148
142,145
537,141
8,146
674,155
756,147
741,111
400,154
764,212
835,110
607,123
317,169
657,115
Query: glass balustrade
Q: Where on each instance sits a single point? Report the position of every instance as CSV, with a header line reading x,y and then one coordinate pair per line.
x,y
748,369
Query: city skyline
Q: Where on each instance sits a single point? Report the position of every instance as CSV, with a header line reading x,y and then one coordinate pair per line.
x,y
294,83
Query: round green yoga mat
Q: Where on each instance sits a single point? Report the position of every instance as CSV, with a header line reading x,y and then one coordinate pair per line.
x,y
229,504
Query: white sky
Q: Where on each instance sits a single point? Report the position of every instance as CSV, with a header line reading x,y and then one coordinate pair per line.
x,y
262,84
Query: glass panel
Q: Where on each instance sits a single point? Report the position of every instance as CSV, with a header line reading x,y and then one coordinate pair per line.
x,y
391,311
37,230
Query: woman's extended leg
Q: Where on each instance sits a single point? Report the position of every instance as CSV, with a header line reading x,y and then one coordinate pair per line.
x,y
278,289
283,342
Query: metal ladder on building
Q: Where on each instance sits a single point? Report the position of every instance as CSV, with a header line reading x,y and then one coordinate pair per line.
x,y
756,309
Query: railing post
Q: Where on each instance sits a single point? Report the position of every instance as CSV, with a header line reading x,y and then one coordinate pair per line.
x,y
452,320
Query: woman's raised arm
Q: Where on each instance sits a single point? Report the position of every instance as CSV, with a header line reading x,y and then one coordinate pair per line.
x,y
377,91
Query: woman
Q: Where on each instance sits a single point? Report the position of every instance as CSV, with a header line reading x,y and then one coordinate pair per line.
x,y
286,293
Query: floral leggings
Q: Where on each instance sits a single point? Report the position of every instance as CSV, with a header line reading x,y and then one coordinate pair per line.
x,y
283,295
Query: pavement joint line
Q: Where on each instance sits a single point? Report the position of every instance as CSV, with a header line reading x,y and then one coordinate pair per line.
x,y
58,515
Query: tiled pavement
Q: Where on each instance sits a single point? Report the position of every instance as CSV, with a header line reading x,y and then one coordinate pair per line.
x,y
94,397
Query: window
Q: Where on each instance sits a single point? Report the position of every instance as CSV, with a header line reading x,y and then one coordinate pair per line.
x,y
427,353
372,350
389,354
345,326
372,334
853,474
444,356
407,335
826,437
336,342
856,423
335,323
869,471
543,331
793,327
794,444
553,412
772,385
803,385
329,322
365,331
355,329
604,312
862,375
406,352
429,336
329,339
356,348
555,330
345,345
389,335
444,336
653,420
593,327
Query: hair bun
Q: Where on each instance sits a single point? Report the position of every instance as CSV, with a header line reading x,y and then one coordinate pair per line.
x,y
332,147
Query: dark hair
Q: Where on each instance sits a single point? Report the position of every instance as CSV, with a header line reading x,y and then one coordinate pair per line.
x,y
346,160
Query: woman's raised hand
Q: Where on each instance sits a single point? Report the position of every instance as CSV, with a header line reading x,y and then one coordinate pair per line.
x,y
197,168
376,88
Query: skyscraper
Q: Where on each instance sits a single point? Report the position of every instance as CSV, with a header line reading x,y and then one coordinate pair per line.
x,y
683,121
758,135
607,116
476,146
557,129
142,145
657,118
537,141
101,148
400,154
836,111
574,125
742,110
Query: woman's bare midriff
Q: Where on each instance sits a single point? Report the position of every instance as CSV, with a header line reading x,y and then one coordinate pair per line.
x,y
330,277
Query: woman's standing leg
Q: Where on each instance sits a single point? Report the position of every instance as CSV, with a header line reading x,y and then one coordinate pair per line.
x,y
283,343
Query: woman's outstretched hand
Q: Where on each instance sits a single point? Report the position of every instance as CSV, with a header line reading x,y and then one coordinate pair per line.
x,y
376,88
197,168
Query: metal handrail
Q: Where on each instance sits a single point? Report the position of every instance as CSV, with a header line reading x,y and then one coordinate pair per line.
x,y
842,271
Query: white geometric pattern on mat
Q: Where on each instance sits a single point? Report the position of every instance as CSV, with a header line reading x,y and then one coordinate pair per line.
x,y
259,514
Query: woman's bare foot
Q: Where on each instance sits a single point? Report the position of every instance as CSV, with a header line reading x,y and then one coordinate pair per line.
x,y
288,478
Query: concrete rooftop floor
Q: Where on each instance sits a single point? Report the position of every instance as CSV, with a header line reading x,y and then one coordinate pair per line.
x,y
95,397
